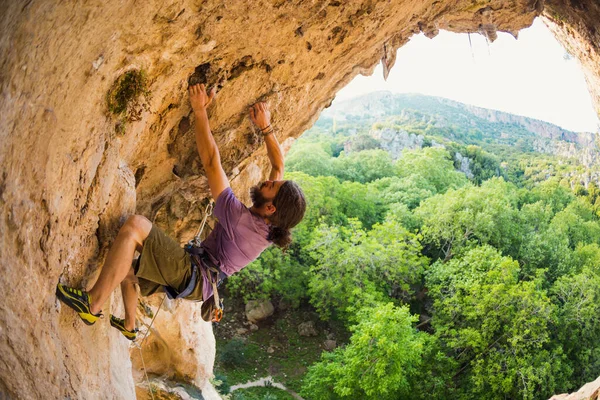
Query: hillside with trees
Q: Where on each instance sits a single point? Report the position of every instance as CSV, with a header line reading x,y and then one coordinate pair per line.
x,y
458,249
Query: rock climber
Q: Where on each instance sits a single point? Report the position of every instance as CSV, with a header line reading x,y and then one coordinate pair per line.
x,y
239,236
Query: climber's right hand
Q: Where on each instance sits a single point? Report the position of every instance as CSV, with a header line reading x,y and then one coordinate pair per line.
x,y
260,115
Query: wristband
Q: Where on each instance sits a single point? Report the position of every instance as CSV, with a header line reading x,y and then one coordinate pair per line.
x,y
265,128
267,133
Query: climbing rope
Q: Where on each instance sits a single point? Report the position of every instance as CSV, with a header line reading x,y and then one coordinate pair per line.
x,y
139,346
195,241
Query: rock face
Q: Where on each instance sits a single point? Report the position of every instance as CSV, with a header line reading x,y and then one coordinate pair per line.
x,y
71,170
180,345
589,391
541,128
394,141
464,165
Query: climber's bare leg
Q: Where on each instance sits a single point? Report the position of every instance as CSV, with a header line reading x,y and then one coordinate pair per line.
x,y
129,298
118,262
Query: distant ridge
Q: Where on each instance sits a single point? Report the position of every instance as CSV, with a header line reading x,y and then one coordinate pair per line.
x,y
377,105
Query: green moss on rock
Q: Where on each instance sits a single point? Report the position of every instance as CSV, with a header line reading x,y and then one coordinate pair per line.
x,y
124,97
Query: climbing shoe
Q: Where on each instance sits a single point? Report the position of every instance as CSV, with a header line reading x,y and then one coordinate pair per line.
x,y
78,300
120,325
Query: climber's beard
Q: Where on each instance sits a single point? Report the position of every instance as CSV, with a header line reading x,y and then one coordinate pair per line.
x,y
258,200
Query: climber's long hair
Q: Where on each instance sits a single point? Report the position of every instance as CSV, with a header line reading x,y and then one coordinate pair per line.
x,y
290,206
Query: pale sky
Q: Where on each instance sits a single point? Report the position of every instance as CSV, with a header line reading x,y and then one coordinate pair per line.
x,y
530,76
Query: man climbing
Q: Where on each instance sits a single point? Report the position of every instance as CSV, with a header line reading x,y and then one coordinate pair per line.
x,y
238,238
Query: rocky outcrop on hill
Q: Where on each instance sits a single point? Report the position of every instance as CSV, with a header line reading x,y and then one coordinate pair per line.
x,y
394,141
74,162
464,165
588,156
540,128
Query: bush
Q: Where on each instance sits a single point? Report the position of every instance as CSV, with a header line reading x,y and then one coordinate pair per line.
x,y
220,383
233,353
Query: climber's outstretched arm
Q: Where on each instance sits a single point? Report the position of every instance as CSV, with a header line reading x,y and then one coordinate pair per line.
x,y
261,117
207,147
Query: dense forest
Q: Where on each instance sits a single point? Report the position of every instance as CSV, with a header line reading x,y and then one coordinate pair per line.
x,y
460,251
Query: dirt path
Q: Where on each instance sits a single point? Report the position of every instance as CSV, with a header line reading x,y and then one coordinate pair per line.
x,y
265,382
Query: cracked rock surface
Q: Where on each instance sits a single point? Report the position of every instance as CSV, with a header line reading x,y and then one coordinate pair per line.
x,y
71,171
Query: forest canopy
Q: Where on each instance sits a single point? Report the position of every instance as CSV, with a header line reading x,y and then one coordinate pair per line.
x,y
463,264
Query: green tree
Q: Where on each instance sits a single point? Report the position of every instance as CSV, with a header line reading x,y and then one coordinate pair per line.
x,y
553,193
400,213
578,223
593,192
356,201
321,202
311,159
434,164
484,165
538,247
380,361
350,264
274,273
577,299
485,214
587,256
496,327
364,166
410,190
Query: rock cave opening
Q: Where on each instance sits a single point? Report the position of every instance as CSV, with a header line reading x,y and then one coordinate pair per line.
x,y
71,172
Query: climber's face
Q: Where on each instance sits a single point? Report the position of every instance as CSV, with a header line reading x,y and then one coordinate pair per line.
x,y
264,193
269,189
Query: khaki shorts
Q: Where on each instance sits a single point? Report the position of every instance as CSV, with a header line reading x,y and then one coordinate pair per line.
x,y
164,262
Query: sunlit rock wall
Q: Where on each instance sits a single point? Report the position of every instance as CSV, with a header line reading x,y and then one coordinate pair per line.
x,y
70,171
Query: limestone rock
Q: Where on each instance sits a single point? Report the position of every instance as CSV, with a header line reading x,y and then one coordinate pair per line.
x,y
329,345
179,345
307,329
464,165
70,170
394,141
241,331
258,310
589,391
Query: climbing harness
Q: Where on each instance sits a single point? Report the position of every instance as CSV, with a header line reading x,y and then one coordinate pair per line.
x,y
198,256
210,311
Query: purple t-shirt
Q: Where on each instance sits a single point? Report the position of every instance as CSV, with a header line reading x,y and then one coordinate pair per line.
x,y
237,239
